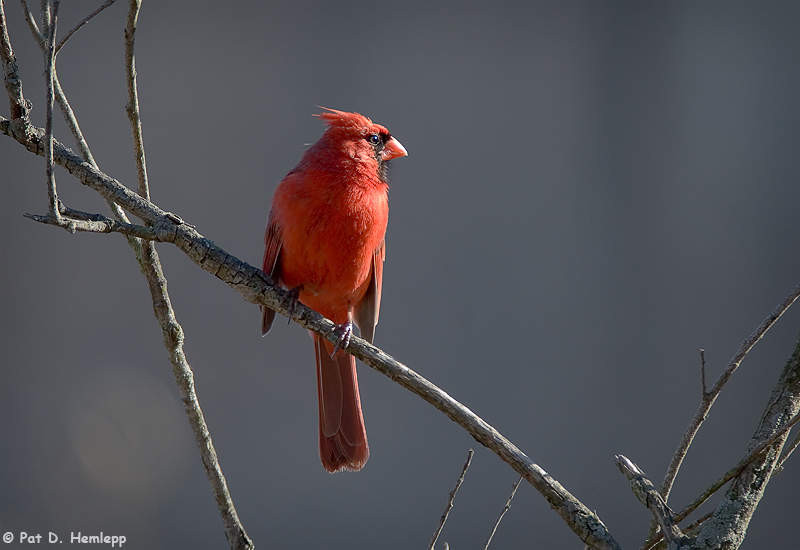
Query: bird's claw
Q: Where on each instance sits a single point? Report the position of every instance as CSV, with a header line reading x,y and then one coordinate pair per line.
x,y
344,332
291,299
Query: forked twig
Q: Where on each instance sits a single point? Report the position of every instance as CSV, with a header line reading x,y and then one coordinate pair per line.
x,y
450,501
711,395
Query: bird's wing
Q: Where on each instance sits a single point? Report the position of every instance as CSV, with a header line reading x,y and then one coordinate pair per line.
x,y
367,312
271,266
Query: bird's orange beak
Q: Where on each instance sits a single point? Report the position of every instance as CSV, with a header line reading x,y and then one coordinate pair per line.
x,y
392,150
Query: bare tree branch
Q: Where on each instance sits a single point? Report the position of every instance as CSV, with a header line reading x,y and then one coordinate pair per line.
x,y
711,395
506,508
149,262
256,287
172,332
450,501
647,495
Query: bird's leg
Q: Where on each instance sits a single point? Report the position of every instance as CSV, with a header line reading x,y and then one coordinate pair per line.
x,y
344,332
291,299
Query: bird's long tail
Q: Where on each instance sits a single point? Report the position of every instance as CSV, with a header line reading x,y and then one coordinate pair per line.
x,y
342,435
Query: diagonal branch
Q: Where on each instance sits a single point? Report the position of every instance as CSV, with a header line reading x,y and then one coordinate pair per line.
x,y
730,474
717,485
77,27
256,287
736,470
506,508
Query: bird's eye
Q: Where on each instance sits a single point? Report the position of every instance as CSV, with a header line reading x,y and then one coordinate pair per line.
x,y
374,139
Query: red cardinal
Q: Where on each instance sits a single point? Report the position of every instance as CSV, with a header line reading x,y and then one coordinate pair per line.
x,y
325,241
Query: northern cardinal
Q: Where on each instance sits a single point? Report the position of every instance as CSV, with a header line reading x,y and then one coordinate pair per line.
x,y
325,242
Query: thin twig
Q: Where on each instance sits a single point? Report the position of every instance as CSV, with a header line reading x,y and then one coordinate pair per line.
x,y
66,109
712,394
506,508
256,287
647,495
77,27
32,24
132,107
703,371
450,501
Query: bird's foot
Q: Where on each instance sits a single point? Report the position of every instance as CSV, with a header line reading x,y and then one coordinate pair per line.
x,y
344,332
291,299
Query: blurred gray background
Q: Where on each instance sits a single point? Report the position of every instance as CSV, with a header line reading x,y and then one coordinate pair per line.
x,y
594,192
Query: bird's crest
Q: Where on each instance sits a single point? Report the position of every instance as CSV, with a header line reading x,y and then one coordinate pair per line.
x,y
342,119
